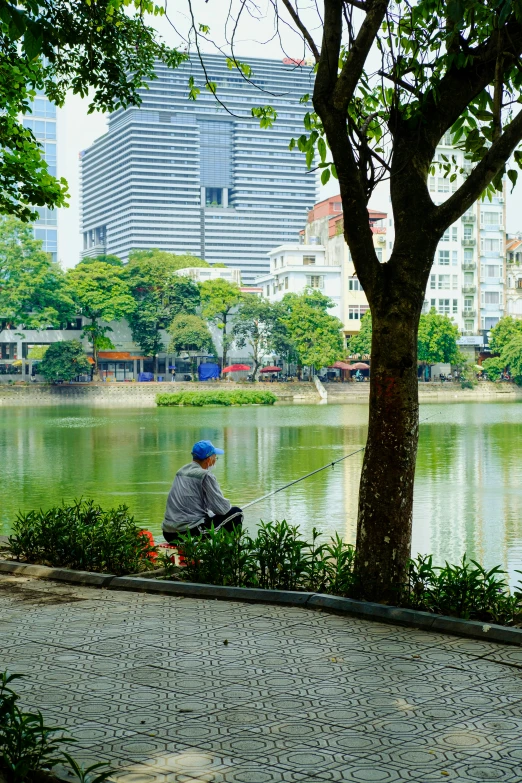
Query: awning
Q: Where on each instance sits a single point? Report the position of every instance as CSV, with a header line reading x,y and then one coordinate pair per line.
x,y
117,356
340,366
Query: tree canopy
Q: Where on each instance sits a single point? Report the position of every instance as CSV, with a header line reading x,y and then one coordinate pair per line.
x,y
103,49
360,343
218,298
112,260
315,335
254,326
189,332
437,341
32,287
503,332
102,293
64,361
151,262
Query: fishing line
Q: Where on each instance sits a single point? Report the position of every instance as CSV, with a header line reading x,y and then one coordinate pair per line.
x,y
318,470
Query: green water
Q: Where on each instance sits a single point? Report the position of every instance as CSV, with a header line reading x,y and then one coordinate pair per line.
x,y
468,495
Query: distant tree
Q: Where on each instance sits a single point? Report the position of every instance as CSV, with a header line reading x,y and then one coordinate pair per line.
x,y
37,352
494,367
112,260
160,294
315,334
170,261
511,356
189,332
503,333
254,326
102,293
218,298
32,287
361,342
437,339
64,361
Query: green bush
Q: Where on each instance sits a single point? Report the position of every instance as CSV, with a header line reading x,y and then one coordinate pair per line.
x,y
84,537
218,397
29,746
279,559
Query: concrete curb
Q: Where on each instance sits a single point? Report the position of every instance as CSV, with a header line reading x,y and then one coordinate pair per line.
x,y
330,603
57,574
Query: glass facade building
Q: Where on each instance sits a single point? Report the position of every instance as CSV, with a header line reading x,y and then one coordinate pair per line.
x,y
199,177
42,121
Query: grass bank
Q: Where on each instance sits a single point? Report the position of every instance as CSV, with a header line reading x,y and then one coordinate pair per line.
x,y
198,399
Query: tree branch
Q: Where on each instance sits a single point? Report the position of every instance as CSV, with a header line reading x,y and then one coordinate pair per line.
x,y
398,82
492,162
302,28
353,65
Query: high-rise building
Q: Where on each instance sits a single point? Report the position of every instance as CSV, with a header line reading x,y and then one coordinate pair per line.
x,y
201,176
42,122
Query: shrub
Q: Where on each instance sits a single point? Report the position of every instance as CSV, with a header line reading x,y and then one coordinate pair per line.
x,y
28,745
218,397
82,536
279,559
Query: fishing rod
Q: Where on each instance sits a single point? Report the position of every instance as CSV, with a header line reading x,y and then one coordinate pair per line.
x,y
318,470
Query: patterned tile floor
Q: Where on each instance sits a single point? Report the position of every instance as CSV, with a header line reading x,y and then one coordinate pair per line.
x,y
170,689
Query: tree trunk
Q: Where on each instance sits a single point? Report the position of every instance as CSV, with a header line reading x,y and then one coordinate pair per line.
x,y
96,375
386,488
224,355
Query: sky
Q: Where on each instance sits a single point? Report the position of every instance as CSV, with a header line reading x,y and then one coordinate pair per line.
x,y
77,129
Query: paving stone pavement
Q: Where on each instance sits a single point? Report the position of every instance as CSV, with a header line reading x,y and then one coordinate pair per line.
x,y
177,690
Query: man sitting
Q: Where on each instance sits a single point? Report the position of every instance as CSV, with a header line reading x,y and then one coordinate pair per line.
x,y
195,501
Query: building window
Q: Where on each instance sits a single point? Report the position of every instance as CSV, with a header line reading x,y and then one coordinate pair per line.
x,y
433,281
356,312
444,257
444,306
468,232
454,283
490,245
454,233
354,284
492,270
490,218
308,260
455,306
468,255
468,304
286,282
468,326
315,281
444,282
446,236
492,297
443,185
378,252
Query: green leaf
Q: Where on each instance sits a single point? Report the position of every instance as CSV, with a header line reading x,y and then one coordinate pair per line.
x,y
513,176
325,176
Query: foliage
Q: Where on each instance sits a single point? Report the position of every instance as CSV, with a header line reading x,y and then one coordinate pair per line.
x,y
28,745
103,259
361,342
160,295
494,367
254,326
512,357
437,341
102,293
218,397
84,537
152,261
32,287
277,559
465,590
314,334
503,332
37,352
103,49
468,372
189,333
64,361
218,298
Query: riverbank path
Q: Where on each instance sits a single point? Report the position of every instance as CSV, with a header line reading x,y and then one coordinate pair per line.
x,y
169,689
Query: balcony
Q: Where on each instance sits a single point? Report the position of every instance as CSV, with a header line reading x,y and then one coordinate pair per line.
x,y
469,242
469,266
468,289
467,332
468,218
469,313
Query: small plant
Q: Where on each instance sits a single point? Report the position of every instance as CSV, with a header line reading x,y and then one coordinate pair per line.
x,y
219,397
28,745
85,537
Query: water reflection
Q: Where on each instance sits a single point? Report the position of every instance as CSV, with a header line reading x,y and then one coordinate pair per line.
x,y
468,494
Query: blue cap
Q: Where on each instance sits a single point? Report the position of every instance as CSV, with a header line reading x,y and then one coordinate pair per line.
x,y
204,448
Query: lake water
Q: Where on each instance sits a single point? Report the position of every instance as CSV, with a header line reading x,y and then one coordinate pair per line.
x,y
468,495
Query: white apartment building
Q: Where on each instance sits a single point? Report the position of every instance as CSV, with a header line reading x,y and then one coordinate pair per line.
x,y
293,268
514,276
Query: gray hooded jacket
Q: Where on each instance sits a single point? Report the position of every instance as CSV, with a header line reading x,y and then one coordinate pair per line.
x,y
194,494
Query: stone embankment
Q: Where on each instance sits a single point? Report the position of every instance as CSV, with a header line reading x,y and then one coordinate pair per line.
x,y
136,394
144,394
